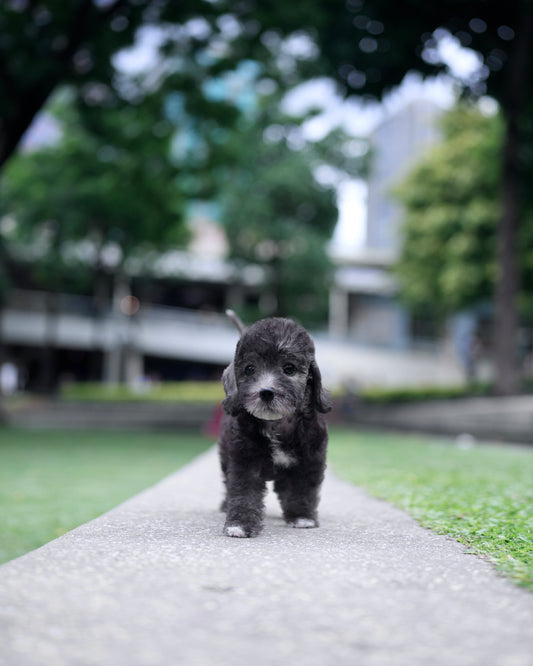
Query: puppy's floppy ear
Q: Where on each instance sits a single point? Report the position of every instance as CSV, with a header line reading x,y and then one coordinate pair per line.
x,y
230,402
320,398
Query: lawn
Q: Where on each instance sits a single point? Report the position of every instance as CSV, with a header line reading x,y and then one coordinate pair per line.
x,y
480,495
51,482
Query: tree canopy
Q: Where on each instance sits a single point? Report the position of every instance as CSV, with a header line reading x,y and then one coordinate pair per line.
x,y
51,43
451,208
278,215
94,198
452,205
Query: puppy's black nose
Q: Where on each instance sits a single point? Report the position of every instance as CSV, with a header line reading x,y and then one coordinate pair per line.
x,y
267,395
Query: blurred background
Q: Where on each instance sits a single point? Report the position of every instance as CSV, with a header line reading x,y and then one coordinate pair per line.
x,y
361,167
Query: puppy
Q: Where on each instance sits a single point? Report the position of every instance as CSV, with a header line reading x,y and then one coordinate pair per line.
x,y
273,427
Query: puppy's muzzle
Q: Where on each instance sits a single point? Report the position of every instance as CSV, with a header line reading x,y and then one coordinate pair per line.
x,y
268,404
267,395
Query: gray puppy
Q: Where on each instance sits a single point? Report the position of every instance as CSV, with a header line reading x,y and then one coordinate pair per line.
x,y
273,427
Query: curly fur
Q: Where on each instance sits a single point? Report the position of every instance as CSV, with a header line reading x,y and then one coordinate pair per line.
x,y
273,428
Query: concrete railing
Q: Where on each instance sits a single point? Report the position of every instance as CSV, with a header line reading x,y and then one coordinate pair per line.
x,y
71,322
66,321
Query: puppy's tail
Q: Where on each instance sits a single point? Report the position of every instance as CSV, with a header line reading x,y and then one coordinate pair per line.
x,y
235,319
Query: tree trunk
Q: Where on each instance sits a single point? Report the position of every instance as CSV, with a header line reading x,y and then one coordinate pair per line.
x,y
48,371
278,288
506,311
100,306
507,288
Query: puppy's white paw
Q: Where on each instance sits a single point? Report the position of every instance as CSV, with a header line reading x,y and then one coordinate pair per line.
x,y
303,523
235,531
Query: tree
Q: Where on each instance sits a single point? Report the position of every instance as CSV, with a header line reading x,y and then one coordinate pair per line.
x,y
113,190
452,206
277,215
451,210
370,46
82,208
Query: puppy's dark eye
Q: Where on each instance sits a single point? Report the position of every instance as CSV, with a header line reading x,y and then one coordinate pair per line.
x,y
249,370
289,369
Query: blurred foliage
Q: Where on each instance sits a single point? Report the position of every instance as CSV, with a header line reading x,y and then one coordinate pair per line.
x,y
94,198
277,215
452,202
45,44
385,396
371,46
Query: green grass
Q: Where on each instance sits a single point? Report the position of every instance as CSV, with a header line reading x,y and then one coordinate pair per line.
x,y
381,395
50,482
211,392
481,496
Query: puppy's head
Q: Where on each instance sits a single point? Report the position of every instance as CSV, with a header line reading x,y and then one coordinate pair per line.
x,y
274,373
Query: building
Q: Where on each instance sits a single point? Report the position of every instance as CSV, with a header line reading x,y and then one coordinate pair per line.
x,y
396,145
363,303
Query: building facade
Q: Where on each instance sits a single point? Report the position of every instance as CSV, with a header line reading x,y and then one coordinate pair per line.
x,y
364,305
396,145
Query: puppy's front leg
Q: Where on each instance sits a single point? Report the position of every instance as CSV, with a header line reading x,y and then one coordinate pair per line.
x,y
245,501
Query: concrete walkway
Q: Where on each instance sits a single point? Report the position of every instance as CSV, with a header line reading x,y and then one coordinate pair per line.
x,y
153,583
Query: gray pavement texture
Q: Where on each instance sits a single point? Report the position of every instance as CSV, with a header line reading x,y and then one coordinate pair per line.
x,y
154,582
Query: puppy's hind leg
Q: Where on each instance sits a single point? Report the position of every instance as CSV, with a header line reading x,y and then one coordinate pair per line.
x,y
224,470
299,500
224,503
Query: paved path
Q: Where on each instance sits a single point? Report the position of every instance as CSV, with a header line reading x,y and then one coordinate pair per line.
x,y
153,582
